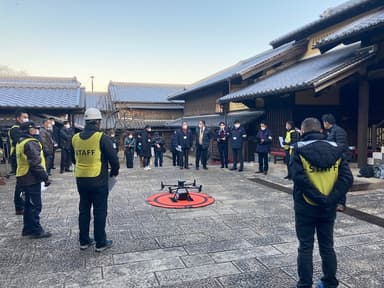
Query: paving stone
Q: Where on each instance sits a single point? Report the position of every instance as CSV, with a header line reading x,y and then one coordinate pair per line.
x,y
205,283
244,253
217,246
149,255
197,260
196,273
260,279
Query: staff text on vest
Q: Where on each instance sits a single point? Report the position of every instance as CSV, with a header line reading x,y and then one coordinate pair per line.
x,y
88,152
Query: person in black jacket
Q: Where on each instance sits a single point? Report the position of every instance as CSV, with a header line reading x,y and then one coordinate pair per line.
x,y
264,141
222,135
336,134
184,144
29,175
238,135
21,116
321,177
175,153
66,134
147,146
203,139
158,147
129,149
92,151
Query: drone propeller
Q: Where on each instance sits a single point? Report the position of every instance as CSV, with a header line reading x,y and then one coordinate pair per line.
x,y
162,185
200,188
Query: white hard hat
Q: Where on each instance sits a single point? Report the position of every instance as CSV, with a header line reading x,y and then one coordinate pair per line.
x,y
92,114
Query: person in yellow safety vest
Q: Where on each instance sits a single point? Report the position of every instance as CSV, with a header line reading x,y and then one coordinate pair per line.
x,y
321,177
91,152
291,137
21,116
30,174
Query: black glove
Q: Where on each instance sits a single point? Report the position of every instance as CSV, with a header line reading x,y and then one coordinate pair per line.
x,y
113,173
47,183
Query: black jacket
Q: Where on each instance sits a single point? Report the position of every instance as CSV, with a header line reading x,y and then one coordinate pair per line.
x,y
66,135
238,137
158,140
321,155
222,135
184,139
147,143
206,138
108,156
36,173
338,135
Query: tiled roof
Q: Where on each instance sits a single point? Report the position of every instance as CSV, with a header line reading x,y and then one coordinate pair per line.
x,y
233,71
156,106
142,92
40,92
213,120
305,74
330,17
357,27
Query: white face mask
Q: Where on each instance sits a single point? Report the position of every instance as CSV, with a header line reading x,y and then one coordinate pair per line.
x,y
262,128
25,120
185,127
53,123
237,126
130,136
113,135
37,132
67,126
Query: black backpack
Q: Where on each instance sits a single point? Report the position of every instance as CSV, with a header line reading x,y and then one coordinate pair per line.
x,y
366,171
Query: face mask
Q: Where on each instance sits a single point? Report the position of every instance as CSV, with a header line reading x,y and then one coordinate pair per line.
x,y
37,132
66,126
53,123
237,126
185,127
130,137
262,128
113,135
149,129
25,120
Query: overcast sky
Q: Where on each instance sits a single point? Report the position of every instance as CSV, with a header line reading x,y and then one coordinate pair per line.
x,y
152,41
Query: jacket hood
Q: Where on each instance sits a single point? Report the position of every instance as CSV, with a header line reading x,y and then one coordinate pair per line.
x,y
89,130
317,151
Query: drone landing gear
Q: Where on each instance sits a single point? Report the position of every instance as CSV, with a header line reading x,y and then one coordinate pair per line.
x,y
181,190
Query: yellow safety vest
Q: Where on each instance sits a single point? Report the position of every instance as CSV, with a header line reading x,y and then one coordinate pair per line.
x,y
11,140
288,139
322,179
22,160
87,155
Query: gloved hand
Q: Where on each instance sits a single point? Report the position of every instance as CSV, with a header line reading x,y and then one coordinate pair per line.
x,y
113,173
47,183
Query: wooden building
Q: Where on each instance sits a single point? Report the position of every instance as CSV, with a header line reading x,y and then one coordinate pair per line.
x,y
341,72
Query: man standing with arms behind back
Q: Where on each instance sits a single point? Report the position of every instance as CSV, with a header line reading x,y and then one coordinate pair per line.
x,y
92,151
321,177
203,139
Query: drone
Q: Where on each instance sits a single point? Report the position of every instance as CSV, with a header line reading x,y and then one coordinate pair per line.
x,y
181,190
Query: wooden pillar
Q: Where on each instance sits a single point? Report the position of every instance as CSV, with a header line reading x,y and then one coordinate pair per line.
x,y
362,122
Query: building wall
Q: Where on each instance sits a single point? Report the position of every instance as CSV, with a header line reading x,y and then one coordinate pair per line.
x,y
202,104
148,114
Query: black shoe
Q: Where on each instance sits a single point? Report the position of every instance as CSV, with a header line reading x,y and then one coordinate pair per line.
x,y
108,244
197,168
186,167
226,166
233,168
68,170
181,167
61,171
19,212
205,168
89,244
240,170
265,172
288,177
53,168
43,234
222,166
25,233
49,174
258,172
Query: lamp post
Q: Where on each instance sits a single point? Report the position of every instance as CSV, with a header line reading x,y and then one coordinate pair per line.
x,y
92,83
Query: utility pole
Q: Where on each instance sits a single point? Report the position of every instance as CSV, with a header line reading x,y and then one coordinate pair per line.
x,y
92,83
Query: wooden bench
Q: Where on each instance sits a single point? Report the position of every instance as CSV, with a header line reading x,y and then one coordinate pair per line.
x,y
278,155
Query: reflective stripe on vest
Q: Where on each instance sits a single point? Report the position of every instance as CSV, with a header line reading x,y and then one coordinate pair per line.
x,y
323,179
22,159
87,155
13,145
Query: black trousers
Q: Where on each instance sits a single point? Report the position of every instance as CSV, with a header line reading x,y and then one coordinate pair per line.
x,y
263,161
287,159
96,197
183,157
201,154
17,200
223,151
146,161
238,157
129,155
32,209
306,226
175,158
65,161
158,158
12,160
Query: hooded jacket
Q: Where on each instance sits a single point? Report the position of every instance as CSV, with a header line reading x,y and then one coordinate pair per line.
x,y
320,174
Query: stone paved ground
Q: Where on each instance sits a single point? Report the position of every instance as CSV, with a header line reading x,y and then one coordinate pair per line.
x,y
245,239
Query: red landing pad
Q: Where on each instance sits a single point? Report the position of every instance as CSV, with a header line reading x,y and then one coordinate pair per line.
x,y
164,200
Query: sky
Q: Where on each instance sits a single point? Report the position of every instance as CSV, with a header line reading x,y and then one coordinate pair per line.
x,y
146,41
